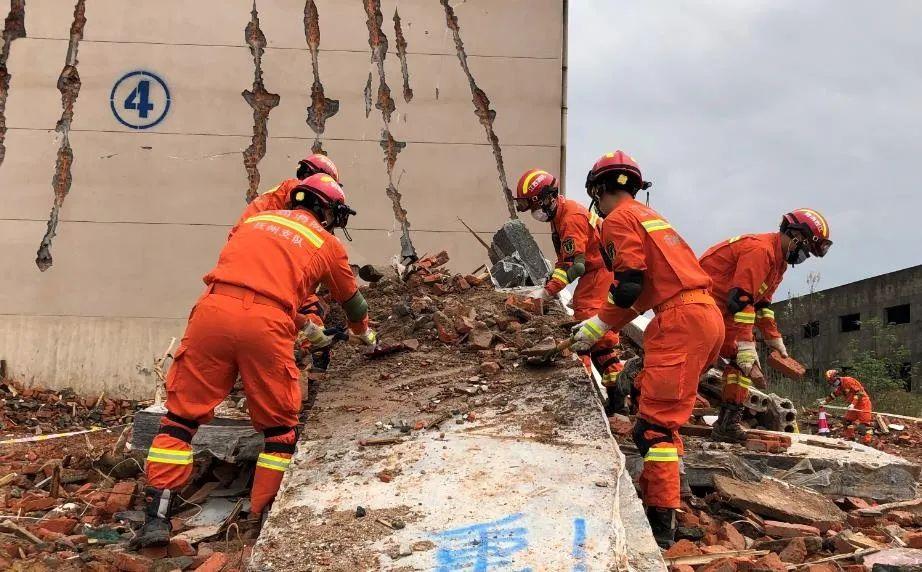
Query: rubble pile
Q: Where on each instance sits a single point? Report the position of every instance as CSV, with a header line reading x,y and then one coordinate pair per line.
x,y
41,411
898,436
724,532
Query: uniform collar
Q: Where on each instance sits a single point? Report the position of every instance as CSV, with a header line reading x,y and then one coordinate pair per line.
x,y
561,211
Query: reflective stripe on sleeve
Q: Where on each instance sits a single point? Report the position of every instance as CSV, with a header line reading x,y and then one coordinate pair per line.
x,y
655,225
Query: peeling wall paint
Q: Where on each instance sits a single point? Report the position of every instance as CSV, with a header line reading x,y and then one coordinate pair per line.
x,y
69,86
377,41
14,27
481,105
262,102
321,108
402,55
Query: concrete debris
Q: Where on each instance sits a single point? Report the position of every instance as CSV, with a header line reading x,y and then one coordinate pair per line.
x,y
778,500
517,258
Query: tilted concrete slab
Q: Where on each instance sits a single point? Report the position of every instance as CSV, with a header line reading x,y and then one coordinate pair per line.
x,y
532,480
829,466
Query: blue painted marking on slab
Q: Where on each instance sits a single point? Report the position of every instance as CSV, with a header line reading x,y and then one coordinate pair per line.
x,y
579,545
482,547
140,100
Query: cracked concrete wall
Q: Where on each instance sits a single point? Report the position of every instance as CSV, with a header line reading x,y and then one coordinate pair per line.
x,y
147,211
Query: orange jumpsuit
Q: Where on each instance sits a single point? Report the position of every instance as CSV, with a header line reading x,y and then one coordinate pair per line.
x,y
754,264
276,199
575,234
853,393
680,343
244,322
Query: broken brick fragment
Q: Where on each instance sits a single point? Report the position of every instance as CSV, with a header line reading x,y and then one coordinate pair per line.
x,y
61,525
731,537
490,368
789,529
681,568
126,562
722,565
913,540
786,366
795,552
682,548
121,497
771,562
215,563
822,567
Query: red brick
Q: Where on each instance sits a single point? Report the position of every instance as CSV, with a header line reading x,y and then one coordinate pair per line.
x,y
154,552
855,503
681,568
913,540
490,368
795,552
121,496
855,568
180,547
789,530
715,549
685,518
788,367
131,562
77,539
683,547
769,563
722,565
215,562
858,521
902,517
41,503
47,535
62,525
732,537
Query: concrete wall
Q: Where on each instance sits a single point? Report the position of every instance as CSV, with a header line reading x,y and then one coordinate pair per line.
x,y
142,214
870,298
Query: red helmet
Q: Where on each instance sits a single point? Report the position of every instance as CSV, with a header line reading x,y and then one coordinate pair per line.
x,y
317,163
831,375
533,185
617,163
813,226
322,187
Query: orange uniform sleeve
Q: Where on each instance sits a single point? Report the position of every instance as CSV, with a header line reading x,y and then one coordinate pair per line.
x,y
765,316
272,200
574,237
340,280
752,269
623,235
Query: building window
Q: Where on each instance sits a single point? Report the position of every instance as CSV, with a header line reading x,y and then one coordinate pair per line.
x,y
850,323
811,330
898,314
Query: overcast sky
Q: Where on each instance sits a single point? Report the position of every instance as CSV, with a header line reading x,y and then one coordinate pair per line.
x,y
741,110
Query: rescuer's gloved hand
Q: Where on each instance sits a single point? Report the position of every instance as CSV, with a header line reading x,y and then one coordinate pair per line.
x,y
541,294
746,356
777,344
588,332
368,337
318,337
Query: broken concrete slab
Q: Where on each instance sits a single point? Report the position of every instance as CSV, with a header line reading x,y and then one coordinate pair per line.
x,y
514,239
536,476
230,439
895,560
778,500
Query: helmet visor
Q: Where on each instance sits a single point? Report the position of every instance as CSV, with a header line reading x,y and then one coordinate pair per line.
x,y
820,246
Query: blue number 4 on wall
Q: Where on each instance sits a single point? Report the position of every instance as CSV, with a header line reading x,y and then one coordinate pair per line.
x,y
139,99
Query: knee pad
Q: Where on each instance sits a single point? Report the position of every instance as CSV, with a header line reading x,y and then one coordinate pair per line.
x,y
178,427
645,441
276,437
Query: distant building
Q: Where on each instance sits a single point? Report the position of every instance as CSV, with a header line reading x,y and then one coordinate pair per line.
x,y
818,328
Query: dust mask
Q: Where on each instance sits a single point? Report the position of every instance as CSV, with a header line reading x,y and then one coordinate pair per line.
x,y
540,215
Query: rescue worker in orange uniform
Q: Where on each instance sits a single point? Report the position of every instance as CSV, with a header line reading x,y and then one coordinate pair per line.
x,y
747,271
279,198
246,322
859,405
654,269
579,257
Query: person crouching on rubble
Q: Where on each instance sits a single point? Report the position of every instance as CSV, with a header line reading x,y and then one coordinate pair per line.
x,y
279,198
859,405
654,268
245,323
574,232
746,271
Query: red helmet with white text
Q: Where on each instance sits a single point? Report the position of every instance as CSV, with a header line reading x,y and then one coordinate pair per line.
x,y
616,170
534,185
317,163
812,226
322,191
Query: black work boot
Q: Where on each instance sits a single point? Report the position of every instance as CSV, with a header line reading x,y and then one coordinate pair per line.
x,y
616,401
158,507
728,427
662,523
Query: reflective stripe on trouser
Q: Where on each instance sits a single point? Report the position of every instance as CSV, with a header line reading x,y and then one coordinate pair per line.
x,y
680,344
169,459
660,481
736,386
270,468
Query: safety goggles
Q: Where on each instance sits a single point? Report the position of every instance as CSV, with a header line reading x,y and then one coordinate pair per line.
x,y
819,246
525,205
341,214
